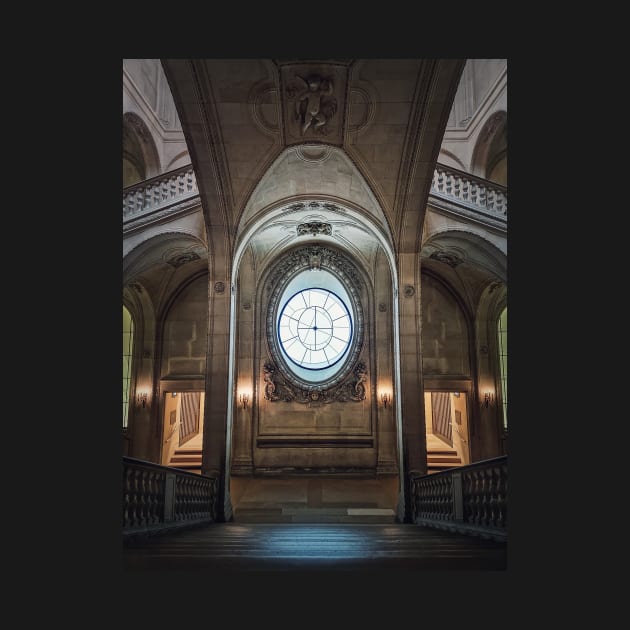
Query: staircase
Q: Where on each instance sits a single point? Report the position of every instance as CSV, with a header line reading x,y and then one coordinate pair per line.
x,y
186,459
440,456
439,460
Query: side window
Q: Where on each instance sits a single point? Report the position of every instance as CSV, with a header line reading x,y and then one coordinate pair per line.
x,y
502,332
127,353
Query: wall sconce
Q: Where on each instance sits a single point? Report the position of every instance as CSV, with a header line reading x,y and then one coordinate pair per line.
x,y
386,399
488,399
142,399
244,398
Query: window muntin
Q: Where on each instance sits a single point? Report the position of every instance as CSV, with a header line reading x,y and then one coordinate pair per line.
x,y
315,328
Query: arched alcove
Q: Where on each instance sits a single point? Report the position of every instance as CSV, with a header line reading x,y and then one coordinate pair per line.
x,y
489,158
140,156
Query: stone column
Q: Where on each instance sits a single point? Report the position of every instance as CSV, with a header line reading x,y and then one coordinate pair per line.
x,y
411,393
217,395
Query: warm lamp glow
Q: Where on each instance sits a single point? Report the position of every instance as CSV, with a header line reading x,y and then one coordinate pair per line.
x,y
386,398
244,398
488,399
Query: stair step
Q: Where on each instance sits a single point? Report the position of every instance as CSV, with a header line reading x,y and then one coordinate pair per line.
x,y
445,451
453,459
186,466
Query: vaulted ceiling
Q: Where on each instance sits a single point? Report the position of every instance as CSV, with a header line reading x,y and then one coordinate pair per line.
x,y
362,133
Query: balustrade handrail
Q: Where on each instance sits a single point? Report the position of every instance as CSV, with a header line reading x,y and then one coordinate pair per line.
x,y
157,178
154,466
464,175
482,463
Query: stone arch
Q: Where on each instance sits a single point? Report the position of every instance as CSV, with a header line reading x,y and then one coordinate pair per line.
x,y
489,158
140,155
447,158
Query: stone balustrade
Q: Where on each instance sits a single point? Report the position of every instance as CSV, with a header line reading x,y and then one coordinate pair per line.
x,y
161,498
468,499
472,192
158,193
175,187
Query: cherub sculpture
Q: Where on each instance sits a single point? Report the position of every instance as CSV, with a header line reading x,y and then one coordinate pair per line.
x,y
314,103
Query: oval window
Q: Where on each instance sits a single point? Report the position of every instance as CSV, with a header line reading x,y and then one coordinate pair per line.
x,y
314,328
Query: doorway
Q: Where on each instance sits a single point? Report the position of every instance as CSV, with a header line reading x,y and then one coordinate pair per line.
x,y
447,436
182,431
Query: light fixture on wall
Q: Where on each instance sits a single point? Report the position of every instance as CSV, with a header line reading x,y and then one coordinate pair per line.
x,y
488,399
244,398
386,399
142,399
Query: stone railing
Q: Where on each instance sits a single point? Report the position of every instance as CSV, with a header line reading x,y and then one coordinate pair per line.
x,y
158,499
474,193
468,499
159,193
461,192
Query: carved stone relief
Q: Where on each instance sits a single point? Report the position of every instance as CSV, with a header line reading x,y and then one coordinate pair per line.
x,y
314,228
182,259
314,101
446,257
277,388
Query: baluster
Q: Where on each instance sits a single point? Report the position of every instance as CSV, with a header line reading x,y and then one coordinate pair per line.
x,y
465,189
482,195
490,201
449,184
138,204
456,186
143,498
178,498
153,485
172,187
126,499
501,204
440,181
135,508
136,498
488,498
475,498
184,498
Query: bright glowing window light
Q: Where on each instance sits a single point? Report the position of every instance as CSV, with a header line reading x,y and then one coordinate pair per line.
x,y
315,328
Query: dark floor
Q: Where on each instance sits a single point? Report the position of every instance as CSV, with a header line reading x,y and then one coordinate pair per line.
x,y
229,547
313,524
